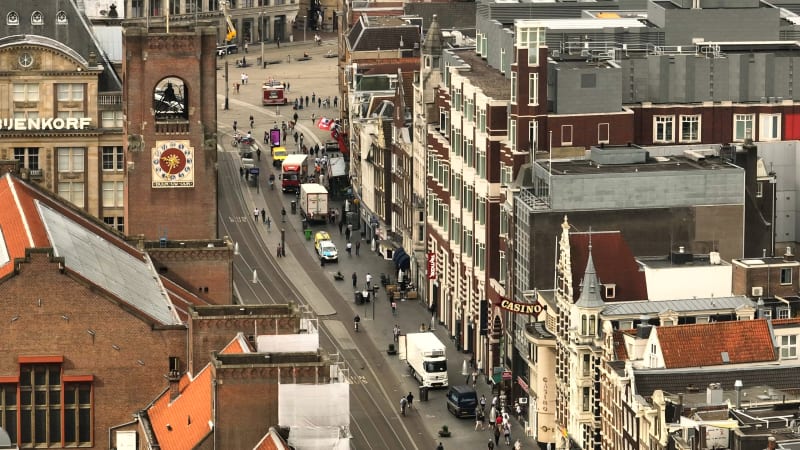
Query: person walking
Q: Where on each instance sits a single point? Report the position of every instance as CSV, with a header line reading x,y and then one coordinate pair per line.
x,y
396,332
335,101
278,251
341,225
269,224
306,101
349,248
490,445
313,118
403,405
507,433
394,307
496,436
264,215
256,213
480,419
234,126
358,247
258,152
251,121
440,446
368,278
283,214
266,137
295,117
474,378
483,402
410,398
313,97
355,279
465,371
296,137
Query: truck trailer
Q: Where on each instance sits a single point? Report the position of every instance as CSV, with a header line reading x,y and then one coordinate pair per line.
x,y
293,169
314,202
427,358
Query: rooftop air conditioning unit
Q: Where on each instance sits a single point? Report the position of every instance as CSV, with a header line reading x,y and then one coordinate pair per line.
x,y
757,291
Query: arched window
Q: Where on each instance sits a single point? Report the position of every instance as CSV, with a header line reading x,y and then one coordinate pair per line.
x,y
12,18
584,328
61,18
37,18
592,325
170,100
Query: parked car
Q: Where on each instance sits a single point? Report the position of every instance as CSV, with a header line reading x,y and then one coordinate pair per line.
x,y
462,400
327,251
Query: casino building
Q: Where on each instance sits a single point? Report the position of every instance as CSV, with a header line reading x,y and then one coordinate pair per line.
x,y
61,107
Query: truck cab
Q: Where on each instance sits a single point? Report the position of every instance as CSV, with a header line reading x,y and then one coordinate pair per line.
x,y
278,156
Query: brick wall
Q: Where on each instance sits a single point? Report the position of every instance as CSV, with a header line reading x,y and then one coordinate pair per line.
x,y
54,312
207,272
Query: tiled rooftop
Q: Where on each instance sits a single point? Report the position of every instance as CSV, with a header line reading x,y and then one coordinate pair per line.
x,y
613,261
183,423
697,345
490,80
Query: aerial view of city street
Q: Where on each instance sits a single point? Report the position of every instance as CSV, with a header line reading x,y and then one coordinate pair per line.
x,y
451,224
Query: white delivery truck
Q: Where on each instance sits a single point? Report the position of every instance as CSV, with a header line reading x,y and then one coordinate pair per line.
x,y
425,355
314,202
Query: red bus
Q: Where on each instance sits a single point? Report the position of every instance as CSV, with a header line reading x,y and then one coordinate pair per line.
x,y
274,93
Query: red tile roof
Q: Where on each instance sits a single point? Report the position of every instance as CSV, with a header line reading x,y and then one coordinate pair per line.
x,y
183,423
237,345
786,322
696,345
620,351
272,441
613,261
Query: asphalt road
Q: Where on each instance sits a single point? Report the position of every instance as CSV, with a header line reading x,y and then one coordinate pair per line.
x,y
377,379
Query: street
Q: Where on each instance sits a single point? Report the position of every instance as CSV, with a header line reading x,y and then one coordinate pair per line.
x,y
378,380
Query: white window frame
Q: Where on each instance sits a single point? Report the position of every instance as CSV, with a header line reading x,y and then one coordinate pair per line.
x,y
113,194
769,128
72,191
26,92
111,119
71,159
533,89
785,270
566,132
744,133
502,60
690,118
512,133
513,87
603,133
70,92
663,125
789,346
116,156
533,137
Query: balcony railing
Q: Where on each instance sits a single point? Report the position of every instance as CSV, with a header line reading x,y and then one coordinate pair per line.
x,y
171,127
111,98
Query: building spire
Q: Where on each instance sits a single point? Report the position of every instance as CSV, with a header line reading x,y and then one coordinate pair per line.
x,y
590,289
433,44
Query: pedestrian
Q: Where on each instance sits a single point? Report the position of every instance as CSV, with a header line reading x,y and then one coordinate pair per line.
x,y
480,418
301,141
358,247
245,47
368,277
491,445
252,122
296,137
266,137
288,89
284,138
355,279
474,378
403,405
517,445
313,97
313,118
269,223
394,307
465,371
341,225
306,101
349,248
396,332
494,401
518,411
483,402
319,102
278,42
241,172
283,214
507,433
335,101
295,117
237,88
496,436
410,398
258,152
234,126
347,233
264,215
278,252
256,213
440,446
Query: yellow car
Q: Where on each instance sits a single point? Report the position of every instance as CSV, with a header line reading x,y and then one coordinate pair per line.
x,y
278,155
321,236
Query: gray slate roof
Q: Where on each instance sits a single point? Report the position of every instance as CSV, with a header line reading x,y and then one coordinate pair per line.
x,y
677,381
133,279
364,36
451,15
655,307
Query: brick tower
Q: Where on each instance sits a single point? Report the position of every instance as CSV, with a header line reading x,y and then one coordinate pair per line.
x,y
169,93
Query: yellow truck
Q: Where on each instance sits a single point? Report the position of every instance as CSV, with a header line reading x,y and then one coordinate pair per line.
x,y
278,156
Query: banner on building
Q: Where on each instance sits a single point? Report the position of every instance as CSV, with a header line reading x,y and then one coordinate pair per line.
x,y
531,309
431,264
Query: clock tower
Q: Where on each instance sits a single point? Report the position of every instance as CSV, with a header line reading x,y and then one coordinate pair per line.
x,y
169,93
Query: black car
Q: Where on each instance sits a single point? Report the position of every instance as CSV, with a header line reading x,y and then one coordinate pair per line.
x,y
462,401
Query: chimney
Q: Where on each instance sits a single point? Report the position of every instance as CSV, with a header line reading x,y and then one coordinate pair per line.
x,y
174,378
788,256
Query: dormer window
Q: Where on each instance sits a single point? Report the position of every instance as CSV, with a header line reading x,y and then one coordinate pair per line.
x,y
37,18
61,18
12,18
611,290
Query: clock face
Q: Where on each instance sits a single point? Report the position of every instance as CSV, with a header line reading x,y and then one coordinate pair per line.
x,y
25,59
173,164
